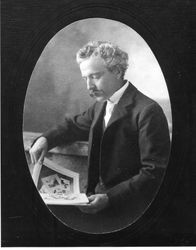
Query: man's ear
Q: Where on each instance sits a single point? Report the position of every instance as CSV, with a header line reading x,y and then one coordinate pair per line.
x,y
117,71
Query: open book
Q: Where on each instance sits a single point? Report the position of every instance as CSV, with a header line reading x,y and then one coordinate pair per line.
x,y
58,185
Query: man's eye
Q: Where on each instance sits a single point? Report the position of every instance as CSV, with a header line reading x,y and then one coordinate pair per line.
x,y
95,76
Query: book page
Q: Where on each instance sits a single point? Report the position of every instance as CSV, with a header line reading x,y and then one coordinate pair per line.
x,y
58,185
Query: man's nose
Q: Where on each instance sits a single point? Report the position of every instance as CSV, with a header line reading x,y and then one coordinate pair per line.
x,y
89,83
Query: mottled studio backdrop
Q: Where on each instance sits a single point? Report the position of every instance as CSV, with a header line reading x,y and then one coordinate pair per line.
x,y
56,87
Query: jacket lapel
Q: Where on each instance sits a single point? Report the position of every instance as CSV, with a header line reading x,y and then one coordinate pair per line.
x,y
100,109
120,110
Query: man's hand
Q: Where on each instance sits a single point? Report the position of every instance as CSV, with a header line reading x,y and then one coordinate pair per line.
x,y
97,202
39,150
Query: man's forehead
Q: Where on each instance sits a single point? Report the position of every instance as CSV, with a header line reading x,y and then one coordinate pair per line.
x,y
93,63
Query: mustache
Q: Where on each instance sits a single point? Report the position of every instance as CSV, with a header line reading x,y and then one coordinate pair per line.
x,y
93,91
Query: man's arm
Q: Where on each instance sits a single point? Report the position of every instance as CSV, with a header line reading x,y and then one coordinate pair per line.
x,y
74,128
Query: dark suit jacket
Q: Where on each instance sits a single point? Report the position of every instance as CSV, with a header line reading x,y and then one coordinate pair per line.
x,y
130,155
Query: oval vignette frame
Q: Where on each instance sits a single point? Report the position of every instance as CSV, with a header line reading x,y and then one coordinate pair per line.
x,y
58,52
46,32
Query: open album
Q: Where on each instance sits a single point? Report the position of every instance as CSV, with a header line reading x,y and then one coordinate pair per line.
x,y
57,185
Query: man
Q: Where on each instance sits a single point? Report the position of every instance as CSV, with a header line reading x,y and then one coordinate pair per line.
x,y
127,132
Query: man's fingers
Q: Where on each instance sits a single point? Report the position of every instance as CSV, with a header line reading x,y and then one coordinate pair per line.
x,y
34,157
41,158
31,156
38,150
91,198
37,156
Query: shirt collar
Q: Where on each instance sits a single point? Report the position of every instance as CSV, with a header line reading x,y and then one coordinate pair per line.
x,y
114,99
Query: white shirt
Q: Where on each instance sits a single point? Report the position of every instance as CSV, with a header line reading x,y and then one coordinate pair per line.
x,y
112,101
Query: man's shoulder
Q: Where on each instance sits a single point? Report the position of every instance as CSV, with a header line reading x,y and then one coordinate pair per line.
x,y
140,101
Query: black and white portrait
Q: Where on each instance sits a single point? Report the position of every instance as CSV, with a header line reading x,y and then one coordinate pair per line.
x,y
98,104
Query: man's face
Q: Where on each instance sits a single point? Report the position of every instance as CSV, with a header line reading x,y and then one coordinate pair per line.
x,y
101,83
